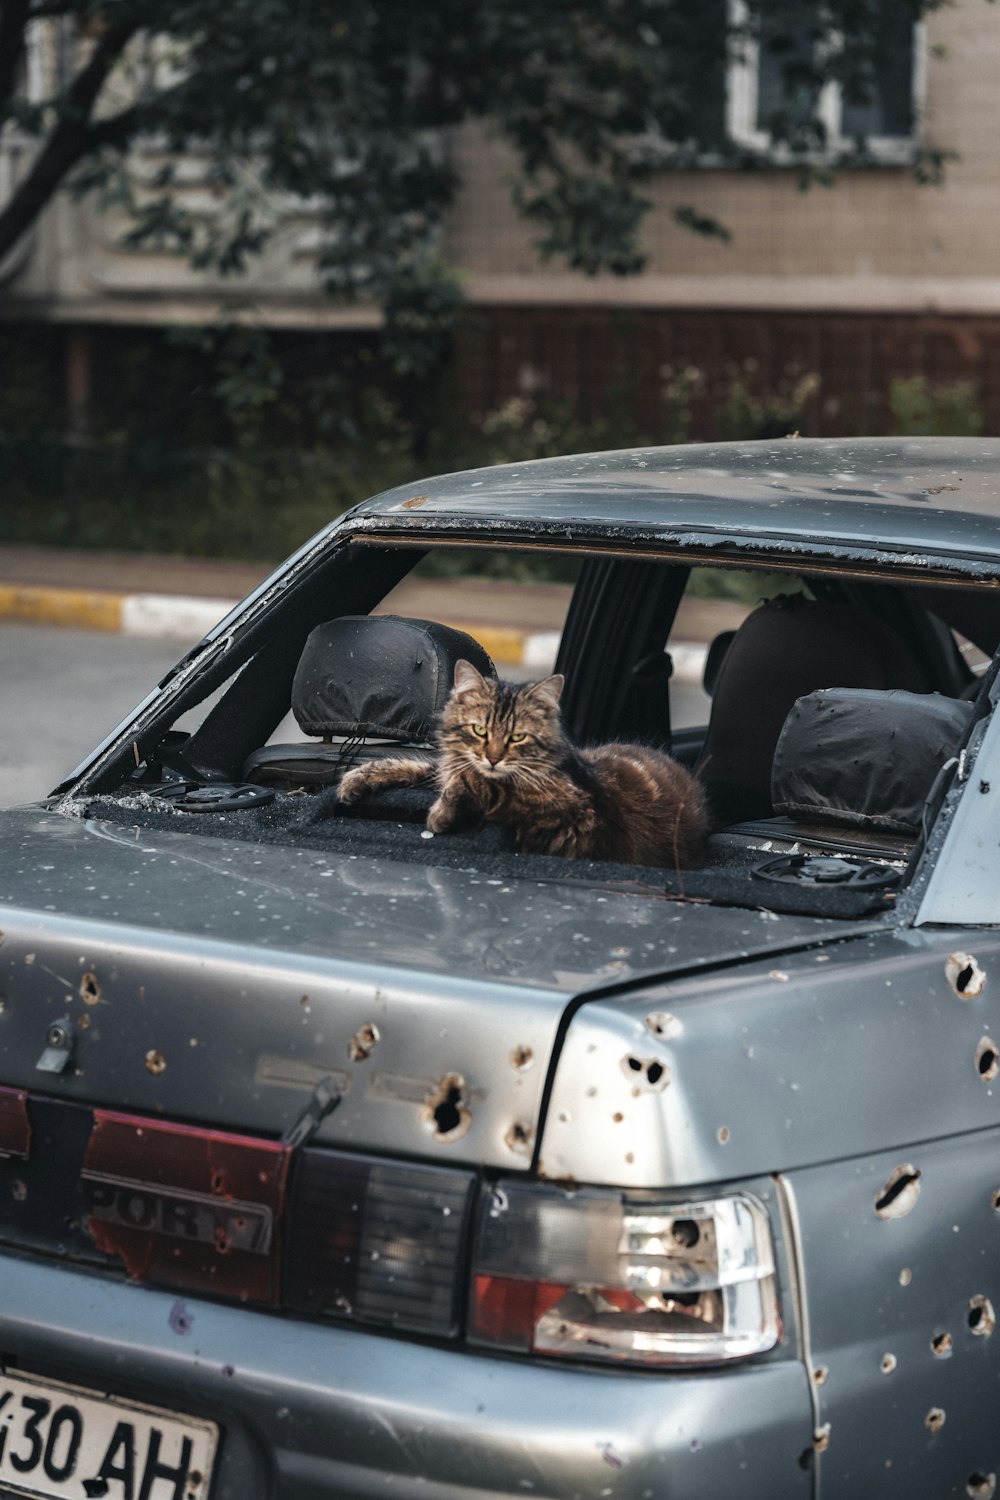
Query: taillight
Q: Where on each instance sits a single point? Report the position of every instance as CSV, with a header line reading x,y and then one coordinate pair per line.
x,y
586,1273
378,1242
596,1274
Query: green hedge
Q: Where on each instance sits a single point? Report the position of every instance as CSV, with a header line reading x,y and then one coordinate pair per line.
x,y
206,503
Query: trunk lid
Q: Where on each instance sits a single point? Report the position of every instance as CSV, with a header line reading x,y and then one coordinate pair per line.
x,y
220,982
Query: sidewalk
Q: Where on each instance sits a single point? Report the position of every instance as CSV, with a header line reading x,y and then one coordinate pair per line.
x,y
181,598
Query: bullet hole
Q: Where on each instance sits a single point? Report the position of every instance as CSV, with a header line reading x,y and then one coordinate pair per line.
x,y
519,1138
617,1117
778,974
19,1190
982,1486
362,1042
900,1194
218,1182
221,1240
685,1233
821,1438
995,1200
179,1318
646,1072
521,1057
905,1276
155,1061
942,1344
888,1364
662,1023
934,1419
445,1111
987,1059
981,1317
722,1135
965,976
984,787
820,1375
90,988
305,1003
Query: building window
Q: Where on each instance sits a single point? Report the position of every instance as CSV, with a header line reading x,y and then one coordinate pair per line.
x,y
779,105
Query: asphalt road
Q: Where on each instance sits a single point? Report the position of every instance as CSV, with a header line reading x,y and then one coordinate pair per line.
x,y
62,691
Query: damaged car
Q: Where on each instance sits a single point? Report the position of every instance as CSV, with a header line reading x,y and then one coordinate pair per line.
x,y
339,1157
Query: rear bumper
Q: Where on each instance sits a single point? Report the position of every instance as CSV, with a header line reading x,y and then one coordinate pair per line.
x,y
309,1411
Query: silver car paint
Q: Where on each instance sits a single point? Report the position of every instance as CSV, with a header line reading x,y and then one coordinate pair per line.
x,y
463,977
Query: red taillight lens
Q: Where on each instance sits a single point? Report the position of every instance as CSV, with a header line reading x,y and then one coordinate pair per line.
x,y
194,1208
505,1310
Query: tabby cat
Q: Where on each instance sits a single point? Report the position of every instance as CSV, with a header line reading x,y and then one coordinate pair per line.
x,y
504,759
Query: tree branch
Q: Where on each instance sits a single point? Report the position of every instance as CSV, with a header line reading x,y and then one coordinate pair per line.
x,y
71,138
114,130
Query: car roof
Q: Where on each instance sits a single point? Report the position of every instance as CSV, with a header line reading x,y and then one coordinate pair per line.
x,y
916,500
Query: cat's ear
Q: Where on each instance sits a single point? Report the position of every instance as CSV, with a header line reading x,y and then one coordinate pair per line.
x,y
467,678
549,690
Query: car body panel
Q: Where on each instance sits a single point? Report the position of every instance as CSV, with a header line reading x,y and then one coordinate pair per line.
x,y
433,958
936,499
889,1333
964,884
765,1067
341,1412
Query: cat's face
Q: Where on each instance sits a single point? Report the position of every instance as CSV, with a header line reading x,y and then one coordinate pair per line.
x,y
501,731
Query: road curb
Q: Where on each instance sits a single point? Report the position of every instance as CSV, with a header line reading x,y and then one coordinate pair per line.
x,y
48,606
186,618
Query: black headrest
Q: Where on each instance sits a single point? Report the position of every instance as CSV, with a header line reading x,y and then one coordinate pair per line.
x,y
784,649
865,758
714,657
381,676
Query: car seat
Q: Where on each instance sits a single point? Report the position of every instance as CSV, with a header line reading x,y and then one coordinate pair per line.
x,y
865,760
365,686
787,648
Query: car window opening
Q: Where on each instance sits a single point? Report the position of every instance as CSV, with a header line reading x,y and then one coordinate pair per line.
x,y
817,718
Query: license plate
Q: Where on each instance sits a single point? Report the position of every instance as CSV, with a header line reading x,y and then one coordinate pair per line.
x,y
58,1442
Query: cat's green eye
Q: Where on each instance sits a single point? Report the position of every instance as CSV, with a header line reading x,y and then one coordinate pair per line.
x,y
516,739
479,729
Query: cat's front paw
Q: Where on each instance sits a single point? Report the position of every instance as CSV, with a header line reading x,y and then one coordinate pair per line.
x,y
351,786
440,817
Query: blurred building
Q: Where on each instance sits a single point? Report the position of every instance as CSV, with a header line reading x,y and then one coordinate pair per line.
x,y
876,276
